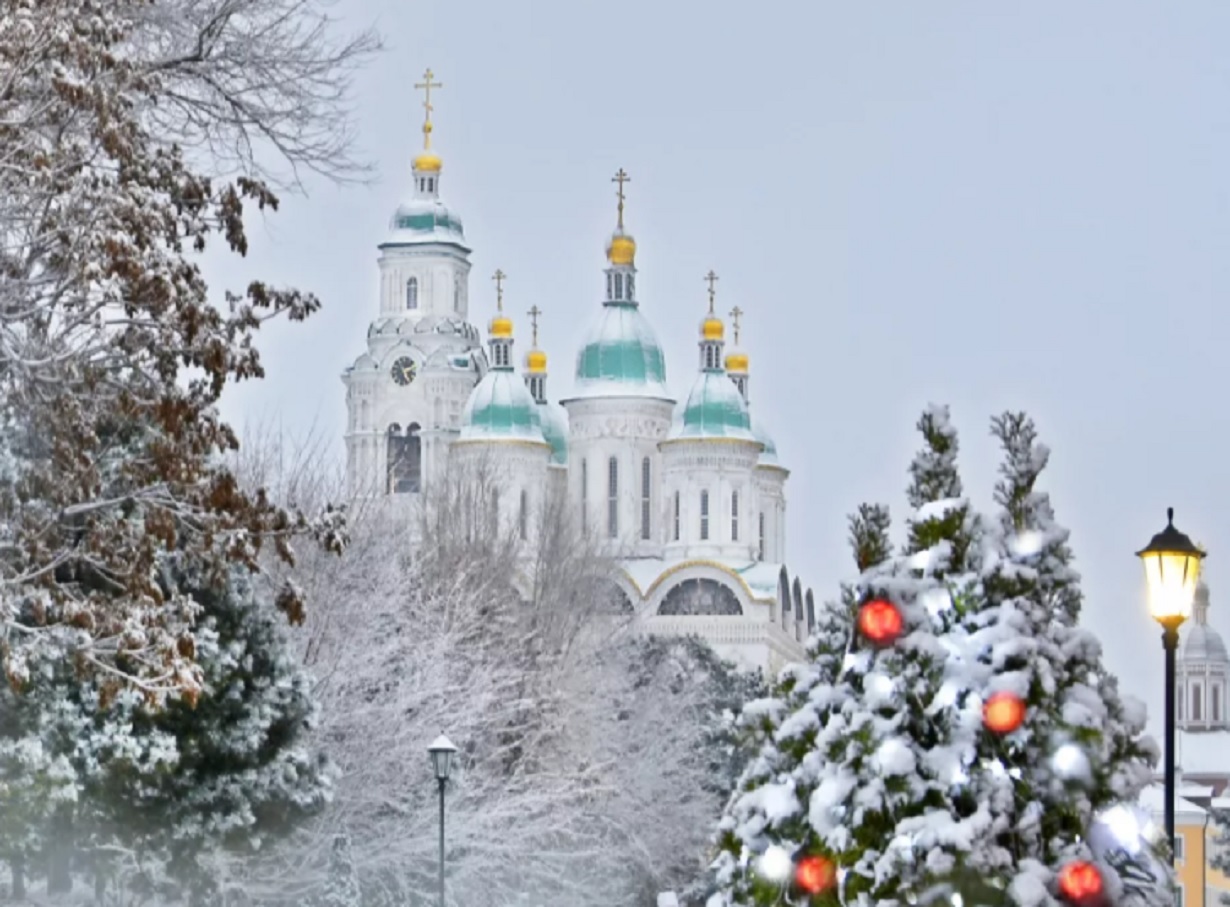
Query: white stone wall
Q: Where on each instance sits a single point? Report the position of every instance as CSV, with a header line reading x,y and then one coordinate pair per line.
x,y
721,468
442,273
770,483
628,430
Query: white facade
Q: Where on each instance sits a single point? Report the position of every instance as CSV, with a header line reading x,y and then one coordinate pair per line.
x,y
688,497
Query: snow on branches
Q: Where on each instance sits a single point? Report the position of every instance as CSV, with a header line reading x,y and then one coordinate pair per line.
x,y
112,357
898,766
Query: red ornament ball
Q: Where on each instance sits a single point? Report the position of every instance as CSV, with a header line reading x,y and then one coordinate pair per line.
x,y
1003,713
1080,881
815,874
880,621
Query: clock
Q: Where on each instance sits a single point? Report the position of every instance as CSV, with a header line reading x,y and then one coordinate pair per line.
x,y
404,370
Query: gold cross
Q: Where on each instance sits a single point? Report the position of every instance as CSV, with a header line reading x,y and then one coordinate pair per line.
x,y
712,278
427,85
621,178
498,277
735,314
534,312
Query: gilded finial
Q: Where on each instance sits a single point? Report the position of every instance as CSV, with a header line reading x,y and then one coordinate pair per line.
x,y
534,312
735,315
712,279
621,177
427,85
499,277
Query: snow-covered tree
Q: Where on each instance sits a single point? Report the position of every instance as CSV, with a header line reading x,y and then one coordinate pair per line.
x,y
135,135
587,754
135,795
889,772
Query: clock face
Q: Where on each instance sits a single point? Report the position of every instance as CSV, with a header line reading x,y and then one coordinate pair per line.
x,y
404,370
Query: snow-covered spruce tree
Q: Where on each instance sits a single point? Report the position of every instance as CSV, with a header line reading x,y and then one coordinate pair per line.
x,y
759,720
149,793
1081,747
115,356
896,775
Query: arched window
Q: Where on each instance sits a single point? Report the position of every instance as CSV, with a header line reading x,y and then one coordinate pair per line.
x,y
1180,698
734,516
700,596
523,516
412,293
612,498
457,293
629,288
619,286
704,516
1215,696
760,548
610,286
676,516
404,457
494,526
645,476
811,613
584,498
1195,703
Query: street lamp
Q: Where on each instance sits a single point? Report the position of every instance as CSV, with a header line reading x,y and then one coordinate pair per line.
x,y
441,751
1172,568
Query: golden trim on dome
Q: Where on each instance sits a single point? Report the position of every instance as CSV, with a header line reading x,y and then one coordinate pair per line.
x,y
736,363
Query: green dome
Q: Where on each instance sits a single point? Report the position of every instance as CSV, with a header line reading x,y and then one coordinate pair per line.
x,y
554,423
768,456
714,409
621,357
501,408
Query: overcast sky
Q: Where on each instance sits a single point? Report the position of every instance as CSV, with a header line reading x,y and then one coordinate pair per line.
x,y
988,205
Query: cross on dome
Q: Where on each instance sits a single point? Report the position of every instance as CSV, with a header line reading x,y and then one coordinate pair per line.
x,y
501,326
712,279
622,248
534,312
712,330
620,177
427,160
735,315
499,277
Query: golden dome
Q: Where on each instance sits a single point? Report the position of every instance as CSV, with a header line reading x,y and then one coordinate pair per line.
x,y
536,361
428,162
712,328
621,250
501,326
736,362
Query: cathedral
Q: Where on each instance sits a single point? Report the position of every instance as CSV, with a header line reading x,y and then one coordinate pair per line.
x,y
687,494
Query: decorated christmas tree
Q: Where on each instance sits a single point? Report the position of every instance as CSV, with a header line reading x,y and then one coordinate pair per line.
x,y
954,732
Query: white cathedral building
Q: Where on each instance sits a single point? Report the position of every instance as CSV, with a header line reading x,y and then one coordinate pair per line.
x,y
687,493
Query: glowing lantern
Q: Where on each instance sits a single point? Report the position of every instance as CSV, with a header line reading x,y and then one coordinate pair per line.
x,y
815,874
1080,881
880,621
1003,713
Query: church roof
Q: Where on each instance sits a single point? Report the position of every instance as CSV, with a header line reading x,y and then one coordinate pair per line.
x,y
501,408
419,221
554,422
621,357
1203,643
714,409
768,455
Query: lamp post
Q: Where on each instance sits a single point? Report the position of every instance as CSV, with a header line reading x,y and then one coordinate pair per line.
x,y
441,751
1172,568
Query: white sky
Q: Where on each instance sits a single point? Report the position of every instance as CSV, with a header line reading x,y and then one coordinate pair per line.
x,y
990,205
